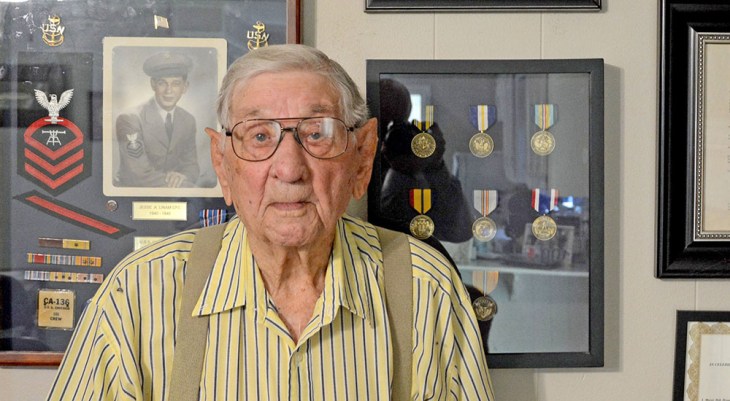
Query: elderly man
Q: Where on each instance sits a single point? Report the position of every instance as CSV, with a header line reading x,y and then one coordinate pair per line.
x,y
157,138
294,305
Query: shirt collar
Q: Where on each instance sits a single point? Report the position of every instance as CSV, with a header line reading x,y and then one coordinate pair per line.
x,y
163,113
236,282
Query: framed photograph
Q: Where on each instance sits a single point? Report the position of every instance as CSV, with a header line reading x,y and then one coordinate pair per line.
x,y
79,155
148,79
702,356
694,158
480,5
499,165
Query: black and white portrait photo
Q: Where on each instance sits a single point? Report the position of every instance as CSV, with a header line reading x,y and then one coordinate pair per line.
x,y
159,95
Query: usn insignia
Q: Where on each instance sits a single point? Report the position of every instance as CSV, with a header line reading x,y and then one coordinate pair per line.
x,y
53,31
258,37
53,153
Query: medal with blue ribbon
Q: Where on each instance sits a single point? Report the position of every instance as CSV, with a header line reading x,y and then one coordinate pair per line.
x,y
543,202
421,226
543,142
423,144
482,117
484,228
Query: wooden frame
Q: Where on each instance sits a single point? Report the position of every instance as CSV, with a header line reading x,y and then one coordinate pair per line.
x,y
693,234
502,267
701,334
63,49
480,5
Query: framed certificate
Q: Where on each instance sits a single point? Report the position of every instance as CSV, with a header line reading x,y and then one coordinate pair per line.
x,y
499,164
702,356
480,5
89,170
694,148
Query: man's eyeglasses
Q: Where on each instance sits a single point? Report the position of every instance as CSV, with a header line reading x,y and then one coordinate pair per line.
x,y
257,139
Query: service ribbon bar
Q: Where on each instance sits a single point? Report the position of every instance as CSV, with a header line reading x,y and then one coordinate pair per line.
x,y
66,277
68,260
485,201
543,202
420,199
544,115
482,116
64,243
211,217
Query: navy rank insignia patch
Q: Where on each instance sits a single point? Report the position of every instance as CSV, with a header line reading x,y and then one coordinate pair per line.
x,y
53,152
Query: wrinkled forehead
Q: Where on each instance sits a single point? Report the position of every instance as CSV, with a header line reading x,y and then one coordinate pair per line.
x,y
261,95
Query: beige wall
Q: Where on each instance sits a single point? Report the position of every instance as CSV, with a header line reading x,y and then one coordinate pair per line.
x,y
640,310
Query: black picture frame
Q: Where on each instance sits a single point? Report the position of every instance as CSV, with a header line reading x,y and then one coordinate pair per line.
x,y
681,251
453,86
53,47
720,325
480,5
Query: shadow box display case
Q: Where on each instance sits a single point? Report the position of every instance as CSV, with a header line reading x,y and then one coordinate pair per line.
x,y
499,164
91,167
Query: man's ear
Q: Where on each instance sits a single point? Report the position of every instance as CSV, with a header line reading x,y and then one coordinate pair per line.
x,y
217,157
367,145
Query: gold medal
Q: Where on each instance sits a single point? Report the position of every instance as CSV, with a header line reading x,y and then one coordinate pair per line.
x,y
485,307
484,229
544,228
423,145
422,226
481,144
543,143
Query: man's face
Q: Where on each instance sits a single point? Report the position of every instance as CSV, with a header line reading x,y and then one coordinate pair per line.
x,y
292,199
168,90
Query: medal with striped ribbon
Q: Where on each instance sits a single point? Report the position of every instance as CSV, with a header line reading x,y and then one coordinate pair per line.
x,y
482,117
421,226
484,228
543,142
544,227
485,307
423,144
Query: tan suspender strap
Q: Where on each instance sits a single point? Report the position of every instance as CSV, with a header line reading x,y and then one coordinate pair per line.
x,y
192,330
190,344
398,275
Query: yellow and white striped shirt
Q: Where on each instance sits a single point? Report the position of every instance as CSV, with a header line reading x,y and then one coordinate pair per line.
x,y
123,346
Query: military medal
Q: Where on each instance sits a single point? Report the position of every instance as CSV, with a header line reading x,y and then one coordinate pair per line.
x,y
482,117
485,307
484,228
544,227
423,145
421,226
543,142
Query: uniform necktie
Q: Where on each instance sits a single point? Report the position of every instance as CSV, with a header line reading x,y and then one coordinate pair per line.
x,y
168,125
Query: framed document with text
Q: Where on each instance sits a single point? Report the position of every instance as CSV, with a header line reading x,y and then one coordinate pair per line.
x,y
694,147
702,356
480,5
102,110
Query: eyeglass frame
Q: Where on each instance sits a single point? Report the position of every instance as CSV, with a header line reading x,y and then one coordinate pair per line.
x,y
295,134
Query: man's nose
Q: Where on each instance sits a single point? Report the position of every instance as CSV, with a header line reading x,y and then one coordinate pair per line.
x,y
289,162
